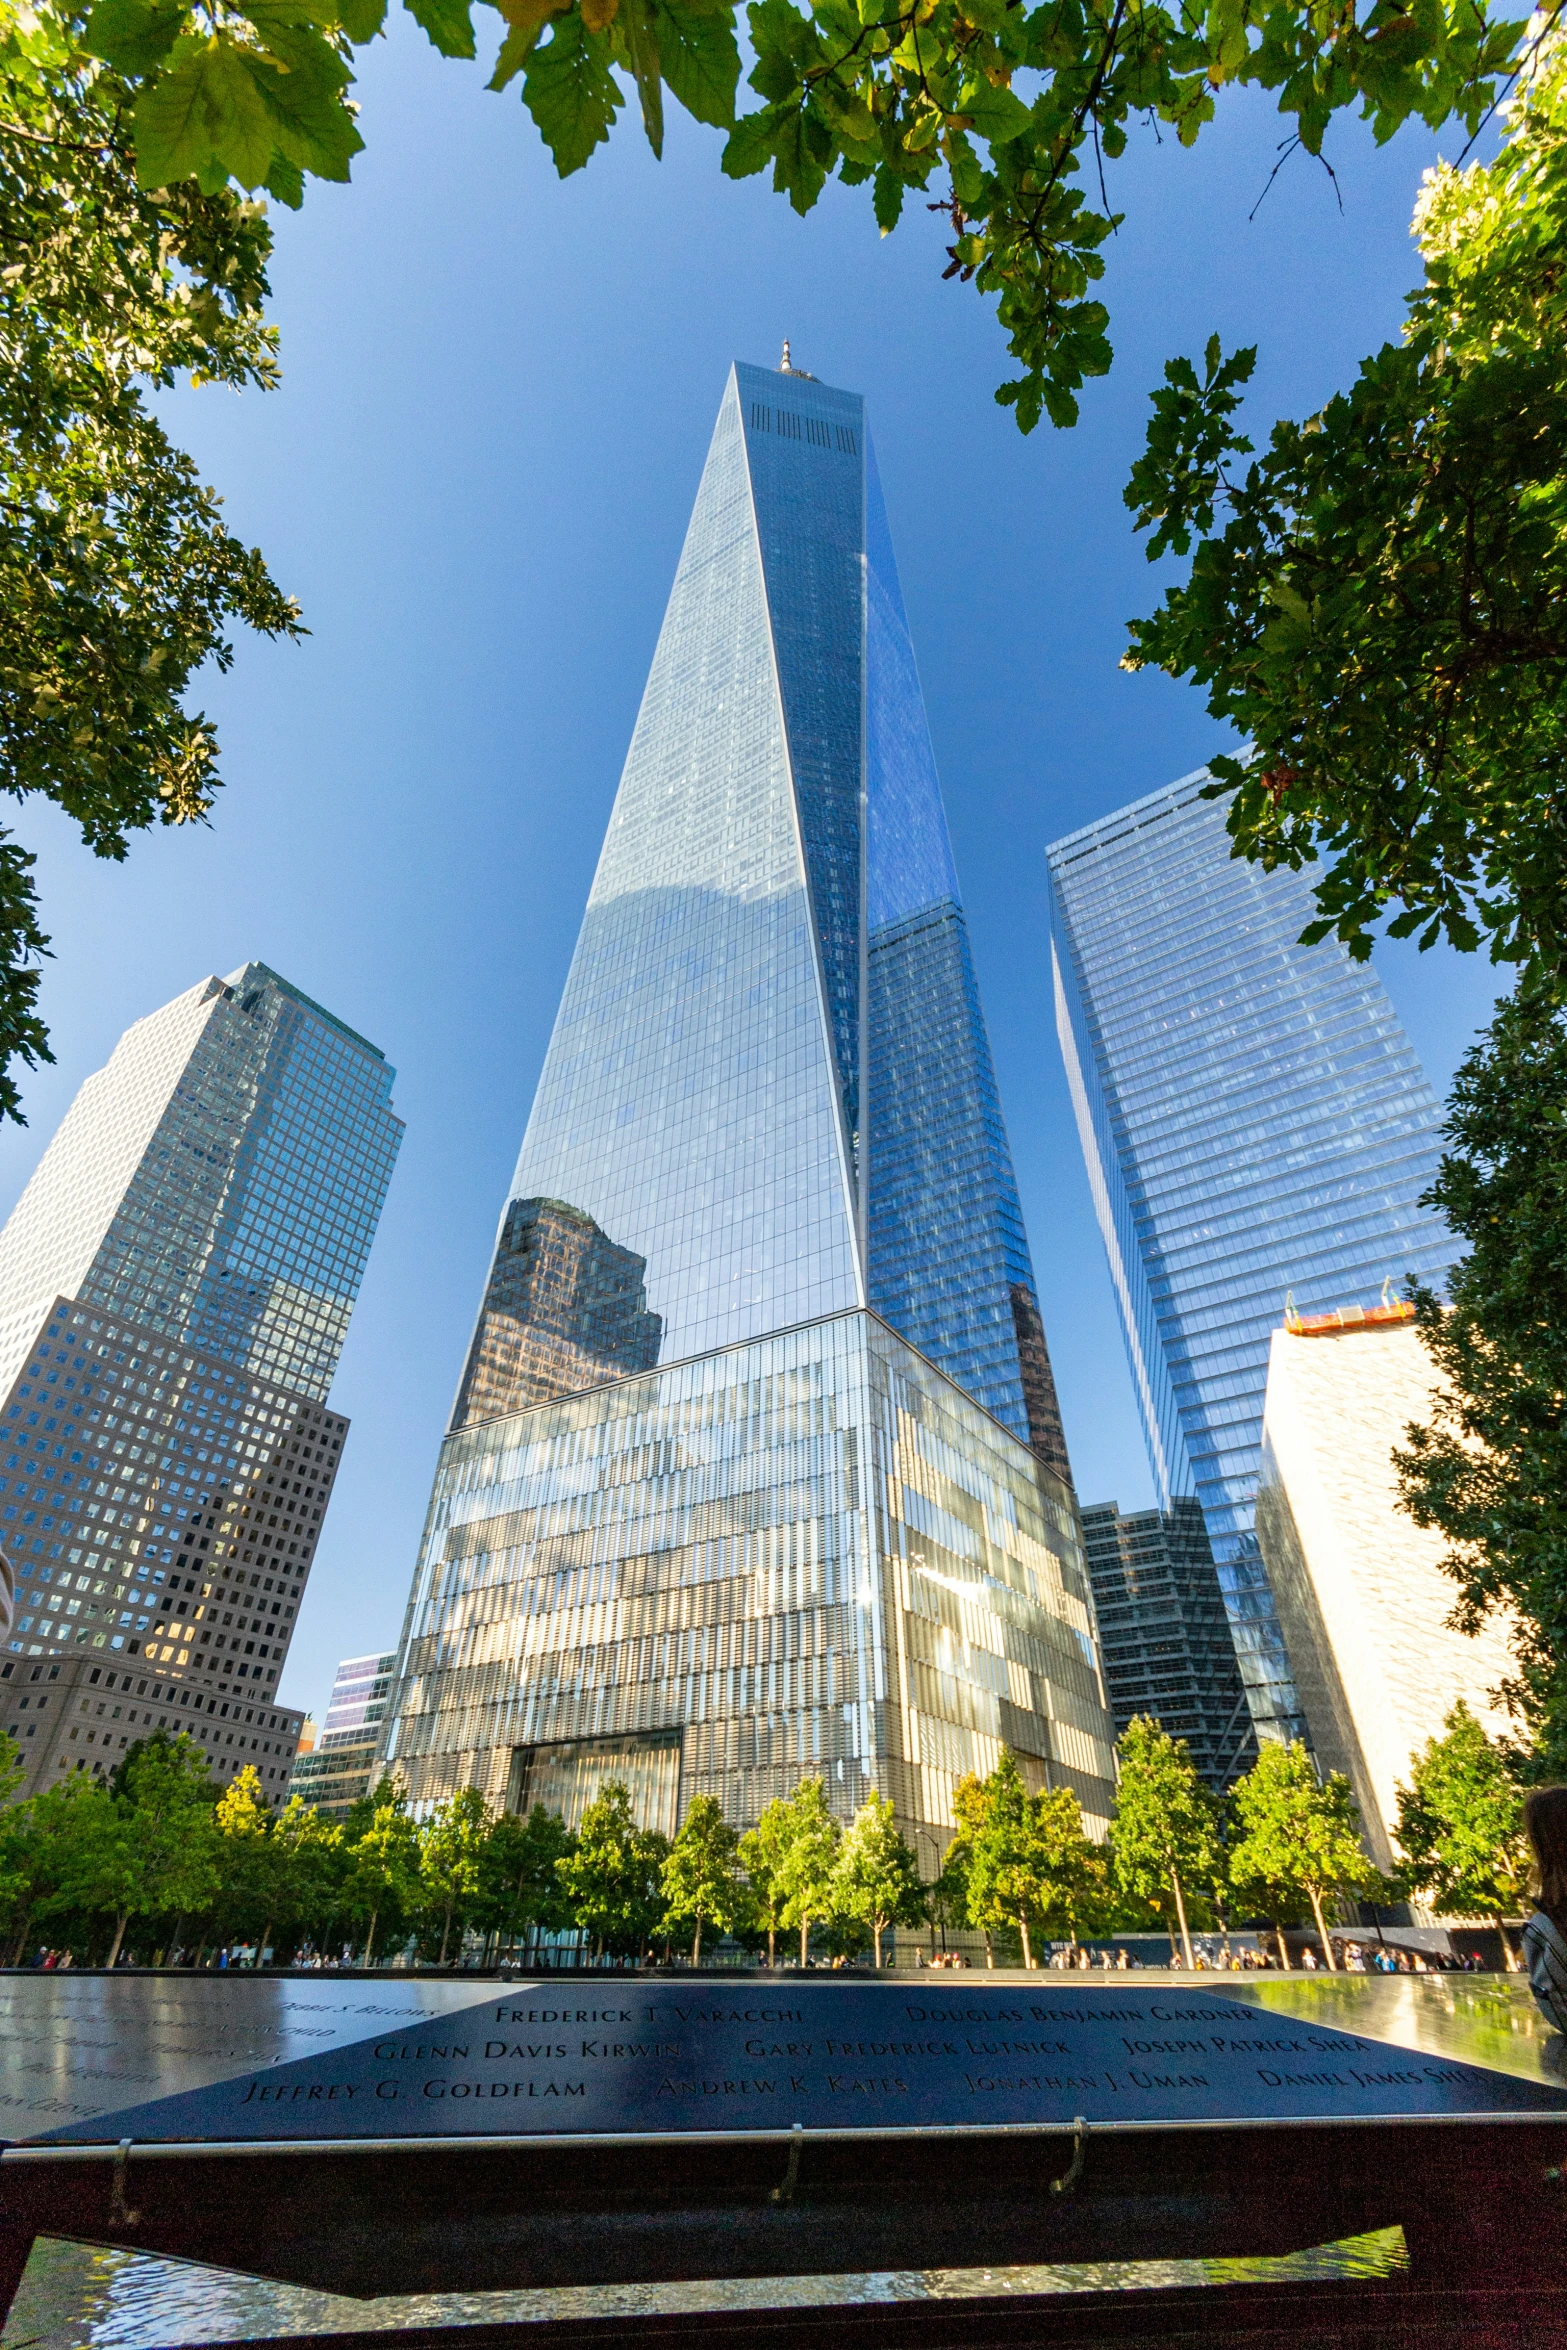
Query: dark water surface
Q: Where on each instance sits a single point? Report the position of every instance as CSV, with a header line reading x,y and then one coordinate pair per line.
x,y
73,2296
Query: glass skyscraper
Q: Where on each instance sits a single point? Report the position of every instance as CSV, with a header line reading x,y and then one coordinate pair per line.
x,y
333,1774
175,1288
1164,1635
755,1466
1255,1123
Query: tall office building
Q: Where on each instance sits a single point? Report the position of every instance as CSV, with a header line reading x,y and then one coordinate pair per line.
x,y
336,1771
1254,1123
1361,1589
755,1467
1164,1636
175,1288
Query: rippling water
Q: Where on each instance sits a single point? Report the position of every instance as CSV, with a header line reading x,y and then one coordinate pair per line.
x,y
73,2296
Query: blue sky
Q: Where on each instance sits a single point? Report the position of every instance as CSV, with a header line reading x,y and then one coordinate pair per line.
x,y
498,390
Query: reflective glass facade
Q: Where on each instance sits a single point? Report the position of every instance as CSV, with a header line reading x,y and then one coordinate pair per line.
x,y
766,1141
175,1288
336,1772
219,1181
769,1092
809,1552
1254,1123
1164,1637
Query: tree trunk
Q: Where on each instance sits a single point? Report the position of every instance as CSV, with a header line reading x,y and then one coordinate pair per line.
x,y
1180,1911
1509,1955
1284,1948
696,1945
1322,1932
805,1930
446,1934
261,1946
1028,1949
990,1948
876,1945
119,1936
370,1937
772,1946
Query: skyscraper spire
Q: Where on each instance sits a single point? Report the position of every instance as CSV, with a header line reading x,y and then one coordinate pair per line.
x,y
761,1278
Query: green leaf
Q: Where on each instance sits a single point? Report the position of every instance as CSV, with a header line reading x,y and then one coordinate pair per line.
x,y
751,143
516,49
801,157
887,198
996,114
170,127
785,44
634,22
361,20
242,135
449,24
309,123
286,182
134,36
701,59
297,48
203,116
571,93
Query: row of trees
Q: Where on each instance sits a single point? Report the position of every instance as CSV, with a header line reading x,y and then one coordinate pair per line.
x,y
158,1863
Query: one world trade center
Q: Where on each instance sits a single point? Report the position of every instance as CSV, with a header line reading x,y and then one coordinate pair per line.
x,y
755,1469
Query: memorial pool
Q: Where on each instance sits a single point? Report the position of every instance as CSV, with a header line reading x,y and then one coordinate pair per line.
x,y
1237,2128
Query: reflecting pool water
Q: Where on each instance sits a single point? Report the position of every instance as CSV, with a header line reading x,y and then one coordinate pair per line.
x,y
1482,2019
73,2296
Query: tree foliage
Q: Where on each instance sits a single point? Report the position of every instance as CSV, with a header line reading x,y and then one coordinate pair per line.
x,y
807,1870
988,109
138,139
703,1881
876,1882
1023,1860
519,1876
118,579
1165,1840
145,1844
613,1876
1383,613
382,1884
1298,1837
1460,1824
451,1856
1489,1469
764,1852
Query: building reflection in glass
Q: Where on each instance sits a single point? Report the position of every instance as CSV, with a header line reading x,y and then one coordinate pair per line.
x,y
563,1309
811,1552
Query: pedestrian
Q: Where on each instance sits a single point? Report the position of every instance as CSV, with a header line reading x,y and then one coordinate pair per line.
x,y
1545,1933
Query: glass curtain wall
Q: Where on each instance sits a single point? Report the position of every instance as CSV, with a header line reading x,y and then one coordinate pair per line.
x,y
1255,1124
810,1553
767,1117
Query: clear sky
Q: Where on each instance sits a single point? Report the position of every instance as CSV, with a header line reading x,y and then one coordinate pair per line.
x,y
498,391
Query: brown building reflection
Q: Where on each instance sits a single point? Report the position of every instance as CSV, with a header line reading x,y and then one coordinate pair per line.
x,y
1046,1436
564,1309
